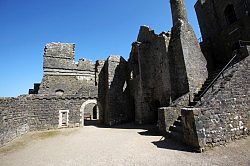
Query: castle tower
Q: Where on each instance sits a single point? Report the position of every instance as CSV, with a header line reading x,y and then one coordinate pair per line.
x,y
187,63
61,75
178,11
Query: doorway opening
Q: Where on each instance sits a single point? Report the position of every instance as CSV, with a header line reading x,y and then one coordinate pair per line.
x,y
154,105
89,113
63,118
95,112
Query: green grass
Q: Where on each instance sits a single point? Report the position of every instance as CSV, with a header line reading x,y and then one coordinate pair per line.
x,y
26,139
13,147
20,143
47,134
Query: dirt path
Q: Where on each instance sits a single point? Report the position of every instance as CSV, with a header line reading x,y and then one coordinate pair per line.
x,y
113,147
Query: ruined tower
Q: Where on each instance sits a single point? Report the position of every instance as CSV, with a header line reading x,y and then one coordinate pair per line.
x,y
62,75
187,63
223,25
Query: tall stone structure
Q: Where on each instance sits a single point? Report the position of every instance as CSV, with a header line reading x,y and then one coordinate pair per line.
x,y
156,85
114,92
62,75
187,63
149,74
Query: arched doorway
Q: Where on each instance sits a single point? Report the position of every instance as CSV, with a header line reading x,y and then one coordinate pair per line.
x,y
89,112
95,112
154,105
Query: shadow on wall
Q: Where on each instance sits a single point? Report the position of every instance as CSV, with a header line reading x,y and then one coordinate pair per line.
x,y
113,93
119,91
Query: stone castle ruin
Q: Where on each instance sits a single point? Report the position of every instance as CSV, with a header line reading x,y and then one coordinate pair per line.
x,y
197,93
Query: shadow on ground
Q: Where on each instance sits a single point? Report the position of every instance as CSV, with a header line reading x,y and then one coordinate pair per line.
x,y
131,125
91,123
167,143
149,130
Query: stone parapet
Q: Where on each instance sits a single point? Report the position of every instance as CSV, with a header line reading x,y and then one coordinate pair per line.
x,y
166,118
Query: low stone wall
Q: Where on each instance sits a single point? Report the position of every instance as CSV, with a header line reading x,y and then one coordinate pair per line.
x,y
168,115
189,128
166,118
13,119
44,111
36,112
224,112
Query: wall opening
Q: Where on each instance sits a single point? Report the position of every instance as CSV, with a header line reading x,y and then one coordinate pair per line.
x,y
154,105
95,112
89,113
230,14
63,118
59,92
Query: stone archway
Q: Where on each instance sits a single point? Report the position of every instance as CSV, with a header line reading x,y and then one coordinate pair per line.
x,y
90,101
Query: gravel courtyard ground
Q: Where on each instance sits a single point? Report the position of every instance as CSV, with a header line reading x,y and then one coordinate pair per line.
x,y
114,147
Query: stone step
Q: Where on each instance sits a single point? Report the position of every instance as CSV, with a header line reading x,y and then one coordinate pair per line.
x,y
216,71
192,103
199,93
214,74
208,81
206,84
176,136
197,98
176,129
177,123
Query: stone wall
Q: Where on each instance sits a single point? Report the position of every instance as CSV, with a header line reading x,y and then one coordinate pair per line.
x,y
114,92
187,63
211,14
65,86
168,115
149,74
62,74
224,112
13,119
166,118
43,111
89,109
219,36
36,112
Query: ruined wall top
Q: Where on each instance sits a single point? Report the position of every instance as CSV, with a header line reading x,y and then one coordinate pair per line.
x,y
146,34
64,76
60,50
60,56
178,11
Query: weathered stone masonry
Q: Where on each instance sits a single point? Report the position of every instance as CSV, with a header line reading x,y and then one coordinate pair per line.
x,y
61,73
13,119
187,63
222,23
114,93
30,113
223,114
165,72
149,74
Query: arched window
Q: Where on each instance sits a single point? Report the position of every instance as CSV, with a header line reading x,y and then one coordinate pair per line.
x,y
230,14
59,92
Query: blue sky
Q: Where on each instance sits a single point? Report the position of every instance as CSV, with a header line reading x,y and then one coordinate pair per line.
x,y
99,28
